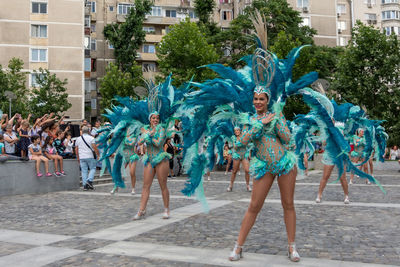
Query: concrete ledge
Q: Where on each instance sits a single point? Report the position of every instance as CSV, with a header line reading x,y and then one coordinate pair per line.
x,y
17,177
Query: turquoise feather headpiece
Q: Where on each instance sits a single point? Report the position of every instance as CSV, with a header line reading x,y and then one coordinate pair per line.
x,y
153,101
263,68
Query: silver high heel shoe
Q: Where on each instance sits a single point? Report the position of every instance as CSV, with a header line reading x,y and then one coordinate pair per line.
x,y
166,214
139,215
236,256
294,255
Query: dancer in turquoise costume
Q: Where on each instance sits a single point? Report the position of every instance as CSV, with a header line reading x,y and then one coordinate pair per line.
x,y
256,95
147,122
240,155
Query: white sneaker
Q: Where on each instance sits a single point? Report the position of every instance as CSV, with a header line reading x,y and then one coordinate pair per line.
x,y
114,190
318,200
346,200
133,191
208,178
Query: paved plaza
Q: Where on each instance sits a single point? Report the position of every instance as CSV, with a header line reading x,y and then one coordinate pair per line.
x,y
79,228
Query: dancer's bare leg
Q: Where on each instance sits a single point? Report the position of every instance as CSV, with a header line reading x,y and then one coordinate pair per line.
x,y
260,191
236,165
162,173
148,176
354,160
246,168
371,165
325,176
287,184
132,172
345,186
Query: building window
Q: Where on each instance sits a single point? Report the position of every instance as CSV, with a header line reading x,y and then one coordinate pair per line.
x,y
93,28
371,2
87,64
370,16
225,1
156,11
87,42
38,55
149,48
39,31
93,44
170,13
149,67
167,29
35,78
93,103
226,15
87,21
110,46
342,41
123,9
149,29
111,8
93,65
391,14
389,1
192,15
392,30
302,3
39,8
341,8
341,25
93,7
306,21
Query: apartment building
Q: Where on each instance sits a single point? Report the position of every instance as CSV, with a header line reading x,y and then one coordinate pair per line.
x,y
46,34
99,53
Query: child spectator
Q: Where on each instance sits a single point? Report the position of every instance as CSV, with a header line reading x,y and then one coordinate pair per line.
x,y
51,153
35,153
68,144
24,138
59,145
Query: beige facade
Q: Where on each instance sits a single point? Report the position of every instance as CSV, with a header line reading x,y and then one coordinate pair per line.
x,y
98,52
46,34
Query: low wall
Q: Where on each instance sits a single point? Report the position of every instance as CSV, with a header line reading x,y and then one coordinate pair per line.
x,y
19,177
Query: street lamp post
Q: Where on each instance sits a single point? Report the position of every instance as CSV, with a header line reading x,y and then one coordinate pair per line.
x,y
11,96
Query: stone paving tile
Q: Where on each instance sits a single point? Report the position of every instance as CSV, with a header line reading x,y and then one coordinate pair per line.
x,y
97,259
338,233
59,213
10,248
82,243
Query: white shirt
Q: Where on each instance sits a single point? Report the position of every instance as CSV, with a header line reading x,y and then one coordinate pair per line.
x,y
84,151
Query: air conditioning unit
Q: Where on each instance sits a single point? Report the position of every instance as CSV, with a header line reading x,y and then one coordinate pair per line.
x,y
339,30
305,9
374,21
369,21
369,5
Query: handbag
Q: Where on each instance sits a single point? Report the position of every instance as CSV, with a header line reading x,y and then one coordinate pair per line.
x,y
94,154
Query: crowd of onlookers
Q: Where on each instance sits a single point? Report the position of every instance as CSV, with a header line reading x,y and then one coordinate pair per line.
x,y
42,139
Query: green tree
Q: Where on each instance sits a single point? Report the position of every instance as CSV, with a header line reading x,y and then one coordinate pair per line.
x,y
279,17
14,80
117,82
368,75
204,10
49,95
127,37
183,50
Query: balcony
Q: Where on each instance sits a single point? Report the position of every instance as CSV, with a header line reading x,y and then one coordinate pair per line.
x,y
147,57
153,38
161,20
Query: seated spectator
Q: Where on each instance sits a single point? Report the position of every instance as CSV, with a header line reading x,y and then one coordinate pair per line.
x,y
3,156
35,153
51,153
68,144
10,140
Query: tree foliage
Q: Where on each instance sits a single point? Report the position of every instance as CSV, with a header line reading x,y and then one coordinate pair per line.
x,y
50,94
368,75
14,80
183,50
117,82
127,37
204,10
280,17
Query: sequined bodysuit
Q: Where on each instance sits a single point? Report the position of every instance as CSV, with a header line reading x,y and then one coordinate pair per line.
x,y
271,143
239,150
155,142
